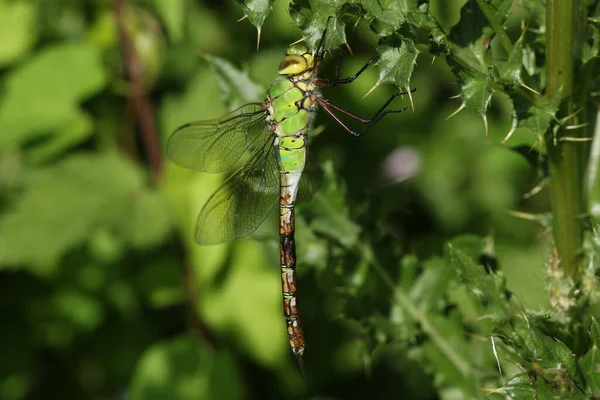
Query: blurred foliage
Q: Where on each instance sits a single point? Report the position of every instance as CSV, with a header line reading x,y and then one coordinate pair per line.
x,y
425,259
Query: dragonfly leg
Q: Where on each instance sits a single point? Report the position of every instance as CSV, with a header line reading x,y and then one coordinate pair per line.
x,y
320,53
338,81
369,122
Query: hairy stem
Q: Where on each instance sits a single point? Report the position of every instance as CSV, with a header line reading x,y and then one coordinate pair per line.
x,y
566,157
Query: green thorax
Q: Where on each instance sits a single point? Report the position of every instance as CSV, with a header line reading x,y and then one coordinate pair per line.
x,y
290,103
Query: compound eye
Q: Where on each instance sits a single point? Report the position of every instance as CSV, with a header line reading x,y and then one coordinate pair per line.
x,y
293,64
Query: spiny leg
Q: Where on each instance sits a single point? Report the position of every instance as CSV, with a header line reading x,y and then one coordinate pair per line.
x,y
320,52
337,81
370,122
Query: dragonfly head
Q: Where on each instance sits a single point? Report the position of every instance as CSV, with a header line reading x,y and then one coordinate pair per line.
x,y
298,59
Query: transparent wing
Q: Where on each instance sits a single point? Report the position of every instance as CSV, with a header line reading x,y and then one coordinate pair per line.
x,y
243,202
215,145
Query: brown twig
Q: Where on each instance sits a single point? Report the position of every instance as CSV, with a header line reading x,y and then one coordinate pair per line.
x,y
143,110
141,104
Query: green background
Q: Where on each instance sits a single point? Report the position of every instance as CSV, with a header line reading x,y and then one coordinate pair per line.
x,y
105,295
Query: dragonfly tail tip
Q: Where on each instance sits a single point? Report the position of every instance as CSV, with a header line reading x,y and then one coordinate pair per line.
x,y
300,362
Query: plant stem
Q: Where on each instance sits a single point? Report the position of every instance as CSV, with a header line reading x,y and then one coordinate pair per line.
x,y
141,103
565,157
496,25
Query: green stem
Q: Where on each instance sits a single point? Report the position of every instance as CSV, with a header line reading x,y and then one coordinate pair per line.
x,y
496,25
565,157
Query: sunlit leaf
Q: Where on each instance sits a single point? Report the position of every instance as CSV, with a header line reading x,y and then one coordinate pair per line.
x,y
63,204
35,103
18,30
396,64
256,10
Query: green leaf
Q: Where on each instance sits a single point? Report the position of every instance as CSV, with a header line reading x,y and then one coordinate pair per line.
x,y
487,287
185,369
396,64
519,388
18,30
256,10
172,12
74,131
312,16
62,205
43,95
510,72
590,368
236,86
388,12
476,92
552,353
537,118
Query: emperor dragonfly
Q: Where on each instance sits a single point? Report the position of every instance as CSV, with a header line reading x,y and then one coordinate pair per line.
x,y
277,131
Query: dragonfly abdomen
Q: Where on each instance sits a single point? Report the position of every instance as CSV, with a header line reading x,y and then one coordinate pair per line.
x,y
291,151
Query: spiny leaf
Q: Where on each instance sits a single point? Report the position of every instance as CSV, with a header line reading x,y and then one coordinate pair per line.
x,y
256,10
510,72
473,21
537,118
388,14
396,64
312,16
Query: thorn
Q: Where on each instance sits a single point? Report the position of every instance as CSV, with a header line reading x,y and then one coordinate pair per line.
x,y
530,89
243,18
568,117
485,123
538,188
509,134
574,139
513,128
297,41
258,38
411,99
432,60
348,47
455,97
373,88
496,355
522,215
577,127
462,106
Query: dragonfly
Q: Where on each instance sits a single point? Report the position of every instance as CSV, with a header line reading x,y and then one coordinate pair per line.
x,y
275,134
